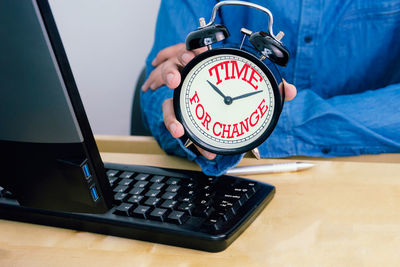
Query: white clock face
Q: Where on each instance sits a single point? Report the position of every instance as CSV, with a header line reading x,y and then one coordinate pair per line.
x,y
227,101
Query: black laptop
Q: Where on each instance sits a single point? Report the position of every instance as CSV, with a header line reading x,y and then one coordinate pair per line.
x,y
51,170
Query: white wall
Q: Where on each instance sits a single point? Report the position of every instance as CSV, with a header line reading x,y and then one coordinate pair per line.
x,y
107,42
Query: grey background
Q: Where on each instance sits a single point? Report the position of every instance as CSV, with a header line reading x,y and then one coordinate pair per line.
x,y
107,42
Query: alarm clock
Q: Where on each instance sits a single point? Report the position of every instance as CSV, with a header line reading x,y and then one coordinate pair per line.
x,y
228,100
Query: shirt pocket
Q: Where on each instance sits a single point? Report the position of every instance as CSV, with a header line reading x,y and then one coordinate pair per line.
x,y
362,50
372,10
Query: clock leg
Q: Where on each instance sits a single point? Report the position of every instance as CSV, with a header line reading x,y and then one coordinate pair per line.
x,y
256,153
188,143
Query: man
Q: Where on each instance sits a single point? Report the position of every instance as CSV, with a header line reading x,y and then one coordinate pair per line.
x,y
345,63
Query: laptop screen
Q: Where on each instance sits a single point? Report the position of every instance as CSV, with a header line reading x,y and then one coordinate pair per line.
x,y
52,161
35,106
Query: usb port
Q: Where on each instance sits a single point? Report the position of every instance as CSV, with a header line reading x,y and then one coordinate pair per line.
x,y
93,191
86,171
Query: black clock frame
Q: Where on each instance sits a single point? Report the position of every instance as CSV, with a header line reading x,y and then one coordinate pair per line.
x,y
275,116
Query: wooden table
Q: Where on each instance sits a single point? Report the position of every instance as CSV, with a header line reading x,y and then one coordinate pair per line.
x,y
342,212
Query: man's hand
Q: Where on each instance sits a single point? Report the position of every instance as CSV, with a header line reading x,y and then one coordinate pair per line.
x,y
168,63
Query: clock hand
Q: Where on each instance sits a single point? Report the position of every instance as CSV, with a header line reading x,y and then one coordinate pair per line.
x,y
246,95
216,89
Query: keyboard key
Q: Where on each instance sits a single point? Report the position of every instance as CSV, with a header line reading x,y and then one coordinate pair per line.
x,y
136,199
141,184
207,187
249,188
169,204
241,198
124,209
178,217
120,197
214,222
157,179
188,207
185,198
157,186
173,188
153,193
168,195
159,214
211,180
142,176
224,205
174,181
188,184
113,179
120,188
239,189
195,222
203,201
231,196
126,175
206,194
136,191
250,193
252,185
125,181
141,212
152,201
202,211
226,215
188,192
112,173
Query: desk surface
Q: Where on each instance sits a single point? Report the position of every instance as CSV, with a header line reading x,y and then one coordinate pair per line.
x,y
339,213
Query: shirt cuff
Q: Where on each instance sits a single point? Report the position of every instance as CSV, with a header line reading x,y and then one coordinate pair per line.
x,y
216,167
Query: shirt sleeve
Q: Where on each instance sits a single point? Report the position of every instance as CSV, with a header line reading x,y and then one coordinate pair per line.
x,y
175,20
343,125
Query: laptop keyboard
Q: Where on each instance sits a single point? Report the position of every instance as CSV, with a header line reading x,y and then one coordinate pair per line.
x,y
176,207
210,202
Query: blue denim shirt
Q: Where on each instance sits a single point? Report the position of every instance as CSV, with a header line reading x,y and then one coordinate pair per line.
x,y
345,63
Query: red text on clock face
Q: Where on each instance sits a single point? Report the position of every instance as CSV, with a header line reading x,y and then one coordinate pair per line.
x,y
228,131
229,69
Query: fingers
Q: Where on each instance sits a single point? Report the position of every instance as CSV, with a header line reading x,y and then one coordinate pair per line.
x,y
170,74
200,50
186,55
170,121
166,73
290,90
154,79
167,53
168,62
170,68
206,154
176,128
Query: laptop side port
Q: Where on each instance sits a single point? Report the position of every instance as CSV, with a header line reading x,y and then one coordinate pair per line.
x,y
94,194
86,171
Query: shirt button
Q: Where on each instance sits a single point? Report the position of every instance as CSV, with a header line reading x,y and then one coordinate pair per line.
x,y
308,39
325,150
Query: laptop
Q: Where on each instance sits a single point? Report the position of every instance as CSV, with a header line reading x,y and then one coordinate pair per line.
x,y
52,172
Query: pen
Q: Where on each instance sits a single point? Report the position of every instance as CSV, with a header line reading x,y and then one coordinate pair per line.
x,y
270,168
